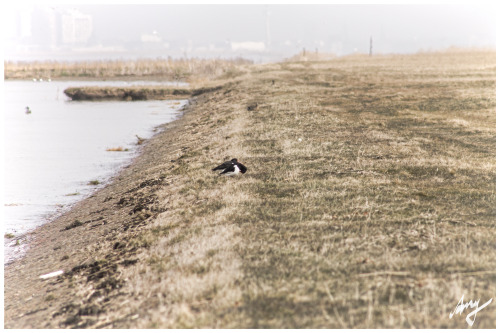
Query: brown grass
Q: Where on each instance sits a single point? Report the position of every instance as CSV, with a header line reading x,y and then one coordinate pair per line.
x,y
381,216
190,70
116,149
369,202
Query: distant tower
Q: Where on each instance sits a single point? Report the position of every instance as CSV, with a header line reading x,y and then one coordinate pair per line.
x,y
268,28
371,45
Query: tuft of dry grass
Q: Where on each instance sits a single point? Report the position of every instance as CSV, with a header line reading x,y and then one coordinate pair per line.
x,y
117,149
369,202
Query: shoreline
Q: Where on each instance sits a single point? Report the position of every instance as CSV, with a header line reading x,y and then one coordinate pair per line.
x,y
47,251
16,252
28,216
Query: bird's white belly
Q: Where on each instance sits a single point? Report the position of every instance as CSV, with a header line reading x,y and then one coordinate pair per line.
x,y
234,173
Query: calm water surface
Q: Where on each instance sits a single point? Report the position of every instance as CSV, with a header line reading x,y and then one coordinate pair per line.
x,y
53,153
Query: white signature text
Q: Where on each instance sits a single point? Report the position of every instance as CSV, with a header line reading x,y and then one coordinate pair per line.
x,y
473,305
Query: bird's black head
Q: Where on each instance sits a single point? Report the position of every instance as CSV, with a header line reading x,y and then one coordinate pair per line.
x,y
234,160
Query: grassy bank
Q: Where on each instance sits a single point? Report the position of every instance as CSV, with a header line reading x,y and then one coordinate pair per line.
x,y
166,69
369,202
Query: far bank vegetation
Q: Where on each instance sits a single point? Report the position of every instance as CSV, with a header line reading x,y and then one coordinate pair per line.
x,y
187,70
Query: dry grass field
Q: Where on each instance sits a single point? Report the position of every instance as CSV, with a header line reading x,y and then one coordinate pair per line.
x,y
369,202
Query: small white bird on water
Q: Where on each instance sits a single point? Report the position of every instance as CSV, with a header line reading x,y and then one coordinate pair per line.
x,y
231,168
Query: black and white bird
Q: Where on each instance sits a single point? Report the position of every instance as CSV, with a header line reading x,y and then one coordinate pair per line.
x,y
231,168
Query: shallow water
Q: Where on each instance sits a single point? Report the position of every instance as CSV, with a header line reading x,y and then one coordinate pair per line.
x,y
53,153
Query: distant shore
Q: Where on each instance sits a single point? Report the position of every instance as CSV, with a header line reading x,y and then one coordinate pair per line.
x,y
203,75
140,69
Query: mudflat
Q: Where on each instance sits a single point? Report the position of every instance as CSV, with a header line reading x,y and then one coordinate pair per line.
x,y
369,202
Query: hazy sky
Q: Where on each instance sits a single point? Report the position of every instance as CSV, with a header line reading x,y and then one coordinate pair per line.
x,y
340,29
247,22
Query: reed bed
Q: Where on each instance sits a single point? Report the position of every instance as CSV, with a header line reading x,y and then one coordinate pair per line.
x,y
171,69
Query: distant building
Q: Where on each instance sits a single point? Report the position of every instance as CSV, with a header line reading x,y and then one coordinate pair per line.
x,y
76,27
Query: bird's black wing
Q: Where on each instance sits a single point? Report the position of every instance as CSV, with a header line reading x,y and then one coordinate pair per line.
x,y
223,166
228,169
242,168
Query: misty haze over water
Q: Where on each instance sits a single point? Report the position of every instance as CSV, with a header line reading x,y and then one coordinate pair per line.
x,y
258,32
